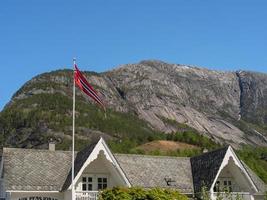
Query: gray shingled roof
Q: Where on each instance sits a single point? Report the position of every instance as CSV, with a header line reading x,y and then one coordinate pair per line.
x,y
154,171
262,187
35,170
205,168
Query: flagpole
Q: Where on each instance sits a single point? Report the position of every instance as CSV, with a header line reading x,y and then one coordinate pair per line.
x,y
73,131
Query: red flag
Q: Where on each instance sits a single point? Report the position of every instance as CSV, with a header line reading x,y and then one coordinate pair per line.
x,y
83,84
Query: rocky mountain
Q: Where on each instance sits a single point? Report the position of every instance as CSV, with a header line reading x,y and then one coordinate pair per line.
x,y
143,99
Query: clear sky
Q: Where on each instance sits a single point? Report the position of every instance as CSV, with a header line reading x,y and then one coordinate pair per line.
x,y
44,35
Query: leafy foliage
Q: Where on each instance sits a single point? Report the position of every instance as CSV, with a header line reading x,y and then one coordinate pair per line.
x,y
220,195
137,193
256,159
189,135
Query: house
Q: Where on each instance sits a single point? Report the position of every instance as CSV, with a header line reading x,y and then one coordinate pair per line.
x,y
30,174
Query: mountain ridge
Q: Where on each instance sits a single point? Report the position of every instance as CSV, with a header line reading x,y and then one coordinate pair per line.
x,y
164,96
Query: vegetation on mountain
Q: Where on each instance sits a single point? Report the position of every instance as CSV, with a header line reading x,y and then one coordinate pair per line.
x,y
187,135
165,146
256,159
190,135
41,113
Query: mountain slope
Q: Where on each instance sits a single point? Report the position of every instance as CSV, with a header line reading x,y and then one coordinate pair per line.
x,y
143,100
210,101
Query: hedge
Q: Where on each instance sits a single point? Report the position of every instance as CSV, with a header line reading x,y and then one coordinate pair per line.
x,y
137,193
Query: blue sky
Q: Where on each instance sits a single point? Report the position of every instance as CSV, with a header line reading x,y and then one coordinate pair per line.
x,y
40,36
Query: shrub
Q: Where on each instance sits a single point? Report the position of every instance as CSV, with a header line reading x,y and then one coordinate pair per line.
x,y
137,193
256,159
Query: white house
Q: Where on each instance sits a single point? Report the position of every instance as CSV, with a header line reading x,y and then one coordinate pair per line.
x,y
29,174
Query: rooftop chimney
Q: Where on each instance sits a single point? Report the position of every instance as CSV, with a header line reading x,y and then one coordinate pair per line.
x,y
205,150
51,145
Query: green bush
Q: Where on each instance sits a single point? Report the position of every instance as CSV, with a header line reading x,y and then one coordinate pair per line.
x,y
137,193
256,159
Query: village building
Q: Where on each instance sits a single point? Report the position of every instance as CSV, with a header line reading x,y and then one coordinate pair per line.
x,y
30,174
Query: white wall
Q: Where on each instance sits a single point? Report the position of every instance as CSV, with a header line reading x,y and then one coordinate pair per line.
x,y
258,197
2,188
233,172
67,195
101,167
36,196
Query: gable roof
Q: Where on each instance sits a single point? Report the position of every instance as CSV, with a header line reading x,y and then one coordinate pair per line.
x,y
35,170
155,171
89,154
205,168
78,163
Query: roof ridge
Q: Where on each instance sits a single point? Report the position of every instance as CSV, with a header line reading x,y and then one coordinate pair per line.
x,y
39,150
215,150
154,156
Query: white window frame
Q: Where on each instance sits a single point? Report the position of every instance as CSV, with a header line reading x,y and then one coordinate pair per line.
x,y
87,182
94,181
102,176
222,186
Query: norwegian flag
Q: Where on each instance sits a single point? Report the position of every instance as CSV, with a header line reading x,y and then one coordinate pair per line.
x,y
83,84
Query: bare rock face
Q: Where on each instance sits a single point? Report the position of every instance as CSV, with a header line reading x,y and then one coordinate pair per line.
x,y
253,99
229,107
195,96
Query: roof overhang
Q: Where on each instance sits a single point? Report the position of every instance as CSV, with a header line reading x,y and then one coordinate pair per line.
x,y
101,146
34,191
230,153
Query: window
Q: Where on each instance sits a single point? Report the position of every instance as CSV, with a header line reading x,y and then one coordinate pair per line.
x,y
217,186
227,186
223,185
102,183
87,183
93,182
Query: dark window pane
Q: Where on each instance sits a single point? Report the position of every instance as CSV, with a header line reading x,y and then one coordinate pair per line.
x,y
104,180
90,187
105,186
84,187
99,180
90,179
100,186
229,183
84,179
225,182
